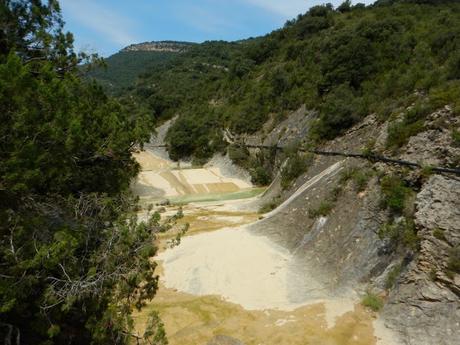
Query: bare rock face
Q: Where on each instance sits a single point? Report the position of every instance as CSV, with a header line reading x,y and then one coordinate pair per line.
x,y
163,46
425,305
224,340
434,146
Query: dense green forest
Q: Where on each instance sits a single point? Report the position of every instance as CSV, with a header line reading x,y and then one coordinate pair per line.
x,y
123,68
74,262
343,63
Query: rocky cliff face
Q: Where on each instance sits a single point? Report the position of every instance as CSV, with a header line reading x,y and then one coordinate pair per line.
x,y
163,46
424,307
343,250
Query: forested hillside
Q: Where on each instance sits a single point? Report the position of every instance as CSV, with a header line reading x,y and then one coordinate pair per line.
x,y
345,63
121,70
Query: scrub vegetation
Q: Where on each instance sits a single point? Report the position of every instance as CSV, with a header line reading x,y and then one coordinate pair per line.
x,y
345,63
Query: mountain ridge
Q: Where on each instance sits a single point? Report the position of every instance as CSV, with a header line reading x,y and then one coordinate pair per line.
x,y
159,46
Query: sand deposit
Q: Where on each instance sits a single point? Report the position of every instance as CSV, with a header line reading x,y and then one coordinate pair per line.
x,y
225,280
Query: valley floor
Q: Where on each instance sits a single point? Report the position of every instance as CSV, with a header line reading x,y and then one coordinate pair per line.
x,y
224,280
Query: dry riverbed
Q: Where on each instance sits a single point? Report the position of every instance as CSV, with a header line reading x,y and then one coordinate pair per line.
x,y
223,280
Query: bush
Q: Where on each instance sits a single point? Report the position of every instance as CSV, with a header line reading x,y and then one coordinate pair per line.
x,y
239,155
324,208
393,276
402,232
338,112
372,301
295,166
360,177
260,176
394,193
413,123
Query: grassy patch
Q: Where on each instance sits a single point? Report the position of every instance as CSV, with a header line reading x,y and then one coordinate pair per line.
x,y
270,206
360,177
372,301
243,194
324,208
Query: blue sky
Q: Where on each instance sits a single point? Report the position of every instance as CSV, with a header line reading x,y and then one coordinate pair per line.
x,y
106,26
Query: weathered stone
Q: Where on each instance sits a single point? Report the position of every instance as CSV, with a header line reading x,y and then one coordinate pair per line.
x,y
425,307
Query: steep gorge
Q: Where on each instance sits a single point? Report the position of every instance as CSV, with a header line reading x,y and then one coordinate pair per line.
x,y
340,255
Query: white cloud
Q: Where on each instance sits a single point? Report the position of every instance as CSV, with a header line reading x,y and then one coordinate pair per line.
x,y
109,24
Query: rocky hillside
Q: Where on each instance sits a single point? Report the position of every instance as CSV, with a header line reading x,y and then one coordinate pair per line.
x,y
161,46
373,228
344,63
379,80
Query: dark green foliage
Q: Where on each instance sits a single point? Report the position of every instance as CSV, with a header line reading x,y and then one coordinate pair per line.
x,y
345,6
338,112
401,232
260,176
155,334
196,133
75,261
296,165
260,167
344,63
123,68
395,193
239,155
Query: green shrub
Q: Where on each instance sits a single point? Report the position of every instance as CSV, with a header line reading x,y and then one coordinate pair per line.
x,y
394,193
295,166
412,123
324,208
360,177
239,155
372,301
260,176
402,232
393,276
